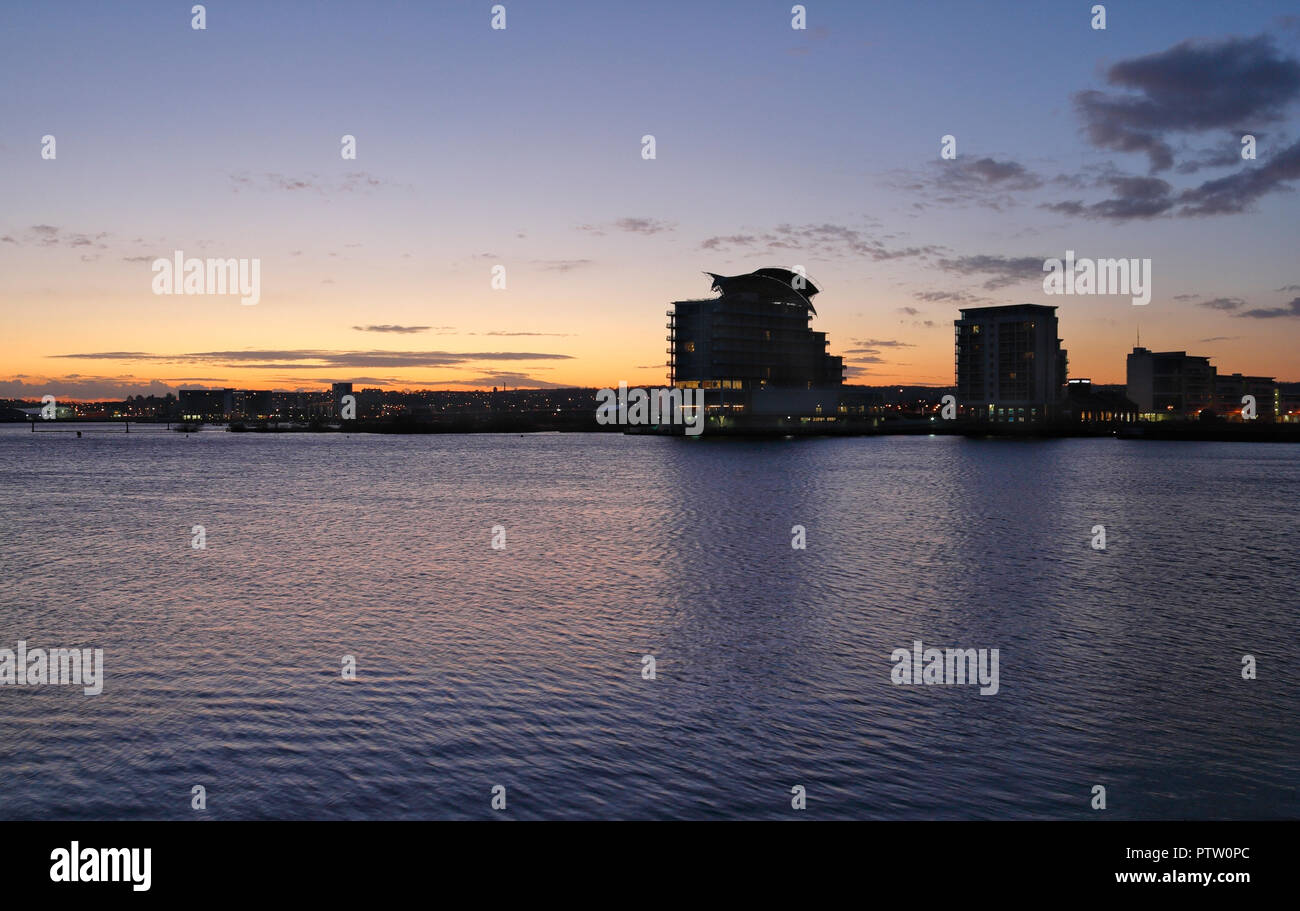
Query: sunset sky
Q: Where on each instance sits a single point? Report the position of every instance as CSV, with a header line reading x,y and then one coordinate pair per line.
x,y
522,147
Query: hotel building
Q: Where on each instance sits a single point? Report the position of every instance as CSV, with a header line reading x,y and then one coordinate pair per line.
x,y
753,351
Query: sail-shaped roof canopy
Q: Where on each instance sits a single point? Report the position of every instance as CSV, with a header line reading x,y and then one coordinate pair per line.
x,y
782,286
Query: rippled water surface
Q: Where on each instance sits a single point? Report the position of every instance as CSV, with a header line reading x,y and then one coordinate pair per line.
x,y
523,666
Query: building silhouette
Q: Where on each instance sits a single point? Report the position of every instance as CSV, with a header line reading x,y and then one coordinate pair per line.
x,y
1231,388
339,390
1086,403
206,404
752,350
1173,385
1010,364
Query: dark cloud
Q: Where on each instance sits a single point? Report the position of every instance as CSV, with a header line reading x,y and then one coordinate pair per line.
x,y
1223,303
1226,156
1226,87
872,350
882,343
1135,197
498,378
1148,197
1192,86
1237,192
978,180
76,387
1291,309
955,297
1004,270
397,330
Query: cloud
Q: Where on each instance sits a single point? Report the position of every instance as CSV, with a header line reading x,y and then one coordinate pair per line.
x,y
882,343
1225,88
1135,197
350,182
398,330
1291,309
1223,303
1237,192
1005,271
871,350
512,334
562,265
731,240
77,387
631,225
982,180
500,378
825,240
311,359
956,297
1227,155
52,236
1192,86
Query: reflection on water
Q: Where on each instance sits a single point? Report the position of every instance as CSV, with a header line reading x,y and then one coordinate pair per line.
x,y
523,666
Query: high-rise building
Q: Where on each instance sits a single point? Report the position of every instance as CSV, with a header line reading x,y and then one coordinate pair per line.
x,y
751,348
1010,364
340,390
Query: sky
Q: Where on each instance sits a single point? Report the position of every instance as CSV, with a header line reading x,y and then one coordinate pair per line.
x,y
522,148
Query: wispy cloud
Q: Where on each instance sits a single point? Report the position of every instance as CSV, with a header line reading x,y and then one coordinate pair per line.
x,y
315,359
401,330
1291,309
630,225
562,265
825,240
269,181
1004,271
53,236
1222,303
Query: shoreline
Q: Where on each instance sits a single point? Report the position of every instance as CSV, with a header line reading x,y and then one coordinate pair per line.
x,y
1171,431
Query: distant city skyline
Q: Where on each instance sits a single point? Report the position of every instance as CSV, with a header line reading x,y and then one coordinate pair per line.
x,y
522,148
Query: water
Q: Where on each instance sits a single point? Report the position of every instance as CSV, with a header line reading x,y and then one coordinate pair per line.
x,y
522,667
